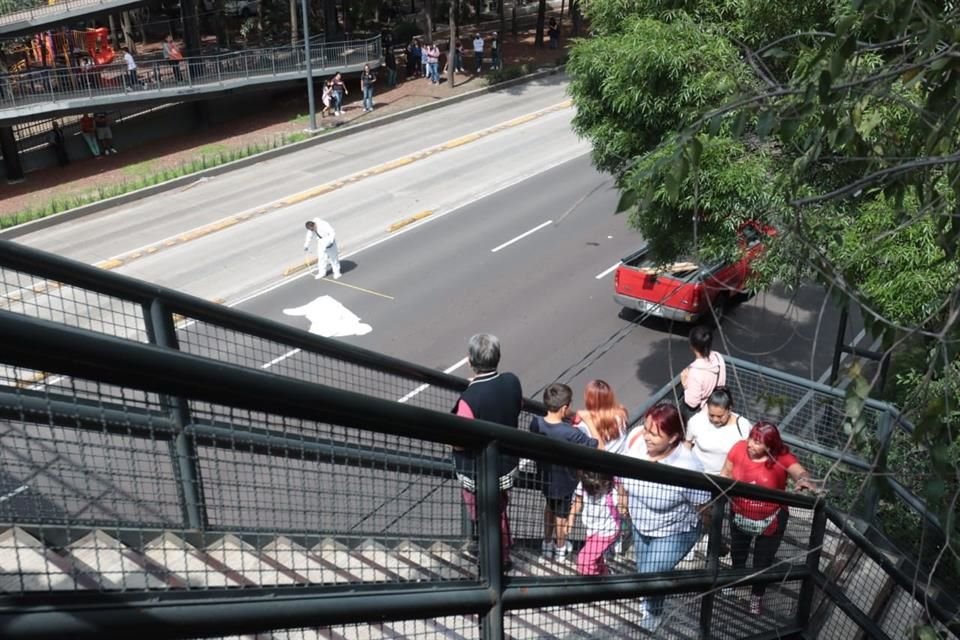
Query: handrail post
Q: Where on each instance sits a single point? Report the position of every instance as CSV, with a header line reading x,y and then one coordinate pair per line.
x,y
871,493
714,541
808,586
161,331
488,528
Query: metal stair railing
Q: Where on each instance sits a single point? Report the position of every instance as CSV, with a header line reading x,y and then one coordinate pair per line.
x,y
190,434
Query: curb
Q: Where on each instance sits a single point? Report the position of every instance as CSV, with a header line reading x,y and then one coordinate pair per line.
x,y
319,138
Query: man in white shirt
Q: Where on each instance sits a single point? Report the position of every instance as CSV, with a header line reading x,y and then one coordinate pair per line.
x,y
328,256
478,51
131,68
713,431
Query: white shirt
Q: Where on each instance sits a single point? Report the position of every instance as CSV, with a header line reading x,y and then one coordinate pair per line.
x,y
322,232
478,44
660,510
596,515
131,65
617,445
712,444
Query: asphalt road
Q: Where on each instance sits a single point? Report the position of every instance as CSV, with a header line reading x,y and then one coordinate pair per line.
x,y
500,251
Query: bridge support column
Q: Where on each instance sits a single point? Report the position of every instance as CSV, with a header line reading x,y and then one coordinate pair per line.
x,y
11,155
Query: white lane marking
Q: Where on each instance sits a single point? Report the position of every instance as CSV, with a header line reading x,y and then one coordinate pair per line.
x,y
14,493
280,359
330,319
600,275
424,387
500,187
521,236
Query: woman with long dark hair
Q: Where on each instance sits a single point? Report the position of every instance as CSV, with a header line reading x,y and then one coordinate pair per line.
x,y
763,460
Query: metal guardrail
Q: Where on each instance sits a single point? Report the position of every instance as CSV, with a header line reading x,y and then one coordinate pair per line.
x,y
156,78
22,10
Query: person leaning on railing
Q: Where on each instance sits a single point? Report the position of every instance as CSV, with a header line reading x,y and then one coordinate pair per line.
x,y
763,460
666,518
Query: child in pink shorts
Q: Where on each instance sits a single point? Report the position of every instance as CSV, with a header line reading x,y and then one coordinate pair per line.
x,y
602,503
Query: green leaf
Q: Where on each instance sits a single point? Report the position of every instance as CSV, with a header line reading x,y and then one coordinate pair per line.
x,y
628,200
765,123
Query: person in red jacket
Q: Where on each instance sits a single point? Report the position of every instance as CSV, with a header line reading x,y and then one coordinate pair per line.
x,y
763,460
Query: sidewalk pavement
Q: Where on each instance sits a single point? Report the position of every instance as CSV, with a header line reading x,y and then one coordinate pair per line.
x,y
87,174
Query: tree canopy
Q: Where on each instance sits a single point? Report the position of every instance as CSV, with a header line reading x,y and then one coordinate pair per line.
x,y
834,121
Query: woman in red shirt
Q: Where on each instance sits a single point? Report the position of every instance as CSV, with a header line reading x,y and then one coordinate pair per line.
x,y
764,460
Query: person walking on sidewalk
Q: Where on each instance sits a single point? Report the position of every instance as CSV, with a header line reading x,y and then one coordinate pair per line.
x,y
173,56
478,51
390,62
88,132
433,63
328,256
58,143
495,51
339,89
367,80
104,133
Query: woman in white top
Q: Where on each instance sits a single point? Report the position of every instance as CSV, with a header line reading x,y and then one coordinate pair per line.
x,y
666,518
603,418
713,431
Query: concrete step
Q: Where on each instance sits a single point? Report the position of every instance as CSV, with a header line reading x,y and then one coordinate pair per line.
x,y
115,565
194,567
301,560
27,565
246,560
379,568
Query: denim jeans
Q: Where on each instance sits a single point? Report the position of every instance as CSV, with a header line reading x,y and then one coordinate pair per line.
x,y
391,77
368,97
661,554
479,56
433,68
337,100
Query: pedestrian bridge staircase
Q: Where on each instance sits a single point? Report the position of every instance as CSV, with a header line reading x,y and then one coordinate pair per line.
x,y
157,481
24,17
34,95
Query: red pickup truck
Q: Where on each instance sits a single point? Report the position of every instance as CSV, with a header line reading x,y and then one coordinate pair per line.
x,y
684,290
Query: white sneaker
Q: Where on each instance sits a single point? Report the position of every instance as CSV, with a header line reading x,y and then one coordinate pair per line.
x,y
319,276
336,276
546,548
560,553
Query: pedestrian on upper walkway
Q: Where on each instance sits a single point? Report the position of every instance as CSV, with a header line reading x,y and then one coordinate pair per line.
x,y
707,372
328,255
367,80
131,68
712,432
413,59
495,397
604,508
553,32
173,56
433,63
390,62
495,62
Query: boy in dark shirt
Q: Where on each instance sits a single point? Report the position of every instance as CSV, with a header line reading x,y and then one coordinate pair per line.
x,y
559,482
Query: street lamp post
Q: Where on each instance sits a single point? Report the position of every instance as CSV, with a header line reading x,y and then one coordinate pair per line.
x,y
306,47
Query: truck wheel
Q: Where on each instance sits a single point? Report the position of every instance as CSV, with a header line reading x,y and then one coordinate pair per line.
x,y
720,307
